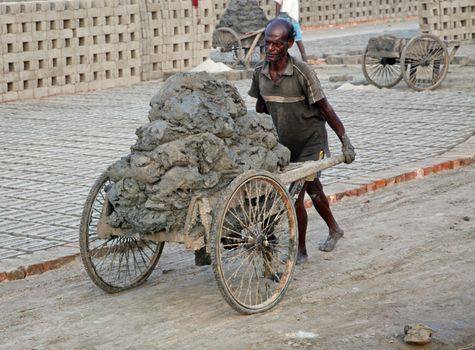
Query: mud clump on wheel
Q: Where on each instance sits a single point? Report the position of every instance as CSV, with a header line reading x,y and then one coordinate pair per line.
x,y
199,138
243,16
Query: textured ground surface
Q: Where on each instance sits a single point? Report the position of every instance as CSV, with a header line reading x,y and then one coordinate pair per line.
x,y
407,257
53,149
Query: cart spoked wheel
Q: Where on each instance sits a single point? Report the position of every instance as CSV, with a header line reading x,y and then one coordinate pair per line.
x,y
254,242
114,262
425,62
256,56
229,46
382,72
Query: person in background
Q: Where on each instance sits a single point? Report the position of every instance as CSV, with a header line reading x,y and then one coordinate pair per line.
x,y
289,90
289,10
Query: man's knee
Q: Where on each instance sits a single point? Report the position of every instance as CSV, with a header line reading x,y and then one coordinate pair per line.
x,y
315,196
315,191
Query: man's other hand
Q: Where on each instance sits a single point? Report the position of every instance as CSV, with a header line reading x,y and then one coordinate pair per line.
x,y
347,149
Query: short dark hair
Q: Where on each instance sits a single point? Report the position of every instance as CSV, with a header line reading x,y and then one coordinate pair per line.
x,y
286,24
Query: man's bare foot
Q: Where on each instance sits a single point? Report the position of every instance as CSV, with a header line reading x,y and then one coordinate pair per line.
x,y
301,258
329,244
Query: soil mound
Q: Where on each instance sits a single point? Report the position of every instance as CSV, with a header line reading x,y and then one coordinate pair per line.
x,y
243,16
200,136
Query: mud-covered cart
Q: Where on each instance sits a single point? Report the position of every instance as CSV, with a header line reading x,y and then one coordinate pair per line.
x,y
249,231
235,49
422,61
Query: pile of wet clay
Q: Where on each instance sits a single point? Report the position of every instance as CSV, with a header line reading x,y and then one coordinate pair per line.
x,y
200,137
243,16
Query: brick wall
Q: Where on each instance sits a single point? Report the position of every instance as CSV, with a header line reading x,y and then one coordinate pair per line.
x,y
448,19
68,46
51,47
325,12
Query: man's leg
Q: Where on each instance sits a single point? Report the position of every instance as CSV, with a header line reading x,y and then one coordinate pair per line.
x,y
320,202
302,220
302,50
298,39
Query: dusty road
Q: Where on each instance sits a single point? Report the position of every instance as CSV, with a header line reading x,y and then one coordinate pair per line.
x,y
408,256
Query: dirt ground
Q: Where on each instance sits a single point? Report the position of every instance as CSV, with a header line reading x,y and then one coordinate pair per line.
x,y
407,256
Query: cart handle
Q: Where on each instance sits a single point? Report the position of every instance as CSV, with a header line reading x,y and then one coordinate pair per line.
x,y
251,34
304,169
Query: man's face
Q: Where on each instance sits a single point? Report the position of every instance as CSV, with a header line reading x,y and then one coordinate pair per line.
x,y
276,43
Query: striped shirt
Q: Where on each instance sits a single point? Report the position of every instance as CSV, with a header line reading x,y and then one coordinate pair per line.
x,y
291,102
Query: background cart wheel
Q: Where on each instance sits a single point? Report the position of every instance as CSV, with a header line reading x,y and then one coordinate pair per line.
x,y
254,242
255,56
228,45
425,62
382,72
114,263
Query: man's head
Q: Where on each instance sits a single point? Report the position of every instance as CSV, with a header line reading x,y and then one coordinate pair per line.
x,y
279,37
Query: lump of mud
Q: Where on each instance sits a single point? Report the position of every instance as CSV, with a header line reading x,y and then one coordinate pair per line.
x,y
243,16
199,138
417,334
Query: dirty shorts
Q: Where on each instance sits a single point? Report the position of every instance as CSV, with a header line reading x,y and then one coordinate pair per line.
x,y
295,24
310,178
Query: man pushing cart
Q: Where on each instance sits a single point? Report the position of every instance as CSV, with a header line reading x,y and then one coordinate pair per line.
x,y
207,173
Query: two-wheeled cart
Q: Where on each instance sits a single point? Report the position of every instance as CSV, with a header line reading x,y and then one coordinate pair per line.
x,y
422,61
236,49
249,230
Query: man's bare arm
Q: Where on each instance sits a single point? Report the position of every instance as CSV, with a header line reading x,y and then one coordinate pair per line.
x,y
331,117
277,8
337,126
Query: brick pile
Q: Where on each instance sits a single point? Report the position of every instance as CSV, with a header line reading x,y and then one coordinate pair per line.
x,y
55,47
448,19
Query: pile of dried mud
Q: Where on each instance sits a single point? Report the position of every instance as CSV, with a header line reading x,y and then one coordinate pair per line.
x,y
243,16
200,136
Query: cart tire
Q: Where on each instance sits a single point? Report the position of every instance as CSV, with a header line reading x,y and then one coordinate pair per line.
x,y
382,72
230,46
254,242
119,262
425,62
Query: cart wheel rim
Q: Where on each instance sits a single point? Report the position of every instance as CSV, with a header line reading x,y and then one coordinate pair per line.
x,y
114,263
425,61
255,244
229,45
382,72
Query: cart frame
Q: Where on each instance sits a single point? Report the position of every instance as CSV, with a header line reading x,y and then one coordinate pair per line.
x,y
242,46
248,229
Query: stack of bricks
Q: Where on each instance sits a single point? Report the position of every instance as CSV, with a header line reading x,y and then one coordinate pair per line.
x,y
346,11
268,6
334,12
53,47
448,19
187,35
219,6
153,39
67,46
111,41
